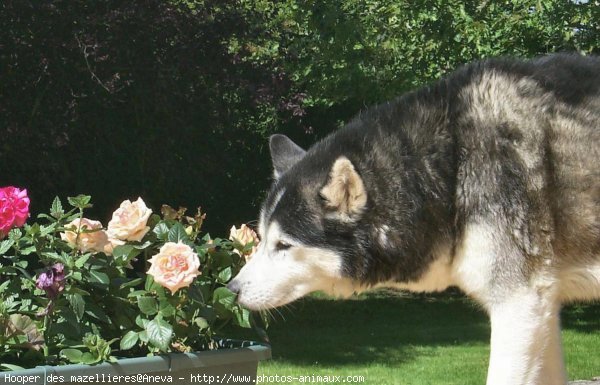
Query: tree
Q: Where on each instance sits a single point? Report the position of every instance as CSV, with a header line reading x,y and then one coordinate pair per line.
x,y
174,100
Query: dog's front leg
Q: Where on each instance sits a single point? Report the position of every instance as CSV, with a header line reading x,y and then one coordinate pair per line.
x,y
525,341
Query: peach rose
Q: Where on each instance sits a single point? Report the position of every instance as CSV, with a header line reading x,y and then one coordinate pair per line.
x,y
129,221
175,266
243,236
111,244
94,241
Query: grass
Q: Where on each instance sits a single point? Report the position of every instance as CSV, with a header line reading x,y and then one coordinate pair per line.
x,y
392,338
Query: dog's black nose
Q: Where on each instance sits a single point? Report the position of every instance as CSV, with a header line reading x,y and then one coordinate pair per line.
x,y
234,286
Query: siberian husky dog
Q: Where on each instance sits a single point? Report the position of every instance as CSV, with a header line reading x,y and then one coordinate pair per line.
x,y
488,180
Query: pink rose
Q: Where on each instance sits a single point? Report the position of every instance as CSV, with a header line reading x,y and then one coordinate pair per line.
x,y
94,241
244,235
14,208
175,266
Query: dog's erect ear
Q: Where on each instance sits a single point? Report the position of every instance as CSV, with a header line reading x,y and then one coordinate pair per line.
x,y
344,192
284,153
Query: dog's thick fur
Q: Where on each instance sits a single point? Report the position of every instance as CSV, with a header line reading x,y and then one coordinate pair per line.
x,y
488,180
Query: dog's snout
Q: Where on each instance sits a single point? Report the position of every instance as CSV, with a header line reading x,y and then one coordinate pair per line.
x,y
235,286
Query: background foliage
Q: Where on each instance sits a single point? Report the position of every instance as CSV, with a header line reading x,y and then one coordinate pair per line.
x,y
173,100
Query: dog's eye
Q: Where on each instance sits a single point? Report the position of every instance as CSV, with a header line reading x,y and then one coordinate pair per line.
x,y
282,246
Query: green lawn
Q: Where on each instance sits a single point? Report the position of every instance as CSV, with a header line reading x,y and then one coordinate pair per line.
x,y
392,338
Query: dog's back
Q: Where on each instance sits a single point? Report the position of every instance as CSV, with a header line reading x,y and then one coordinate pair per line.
x,y
529,133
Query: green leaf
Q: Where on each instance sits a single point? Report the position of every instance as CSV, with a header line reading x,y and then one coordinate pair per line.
x,y
22,264
225,275
129,340
63,258
14,234
143,336
99,277
149,283
103,347
223,301
141,322
222,259
195,293
224,296
73,355
152,286
143,246
69,316
27,250
3,286
166,308
45,230
89,358
134,282
122,251
242,317
161,230
123,254
201,322
57,210
159,333
177,233
95,311
147,305
136,293
32,230
53,255
82,260
23,271
75,290
12,367
77,305
80,201
5,246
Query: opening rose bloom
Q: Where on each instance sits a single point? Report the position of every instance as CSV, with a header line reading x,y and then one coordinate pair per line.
x,y
243,236
175,266
129,221
52,281
94,242
14,208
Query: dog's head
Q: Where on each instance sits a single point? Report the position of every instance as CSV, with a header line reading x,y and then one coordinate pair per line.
x,y
307,228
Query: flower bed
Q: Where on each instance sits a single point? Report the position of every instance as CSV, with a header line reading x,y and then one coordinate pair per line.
x,y
74,291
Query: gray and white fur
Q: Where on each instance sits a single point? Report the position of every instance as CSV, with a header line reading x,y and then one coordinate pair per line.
x,y
487,180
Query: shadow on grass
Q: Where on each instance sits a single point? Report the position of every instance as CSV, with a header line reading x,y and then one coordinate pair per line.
x,y
388,328
385,327
584,318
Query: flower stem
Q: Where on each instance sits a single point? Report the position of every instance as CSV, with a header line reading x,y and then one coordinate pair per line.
x,y
46,327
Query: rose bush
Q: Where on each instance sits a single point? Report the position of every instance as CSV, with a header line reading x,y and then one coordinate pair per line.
x,y
72,291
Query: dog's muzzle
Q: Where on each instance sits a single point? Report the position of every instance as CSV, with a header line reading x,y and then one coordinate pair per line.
x,y
235,286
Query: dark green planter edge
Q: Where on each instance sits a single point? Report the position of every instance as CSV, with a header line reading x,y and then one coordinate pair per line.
x,y
236,359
